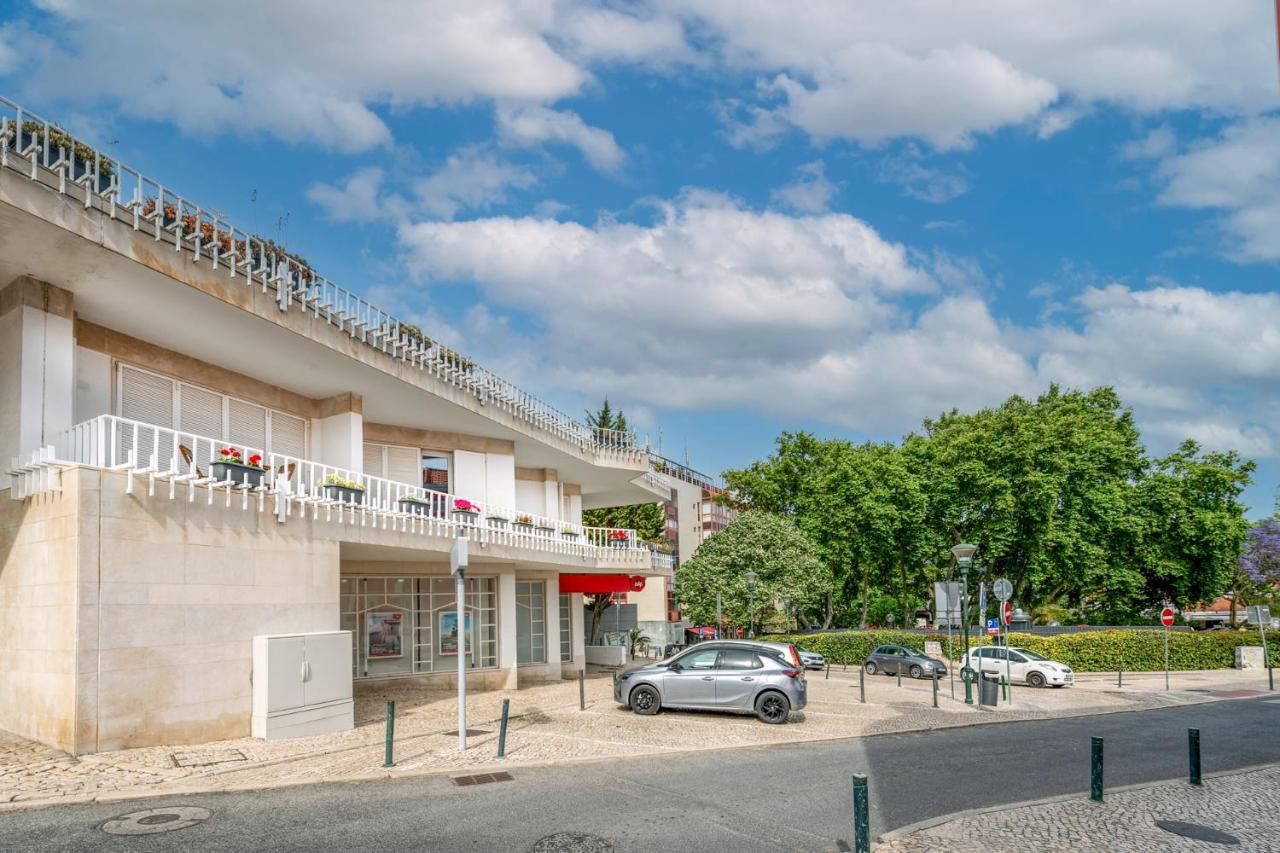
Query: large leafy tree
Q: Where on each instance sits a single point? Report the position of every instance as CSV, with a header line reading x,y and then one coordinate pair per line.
x,y
1257,577
1195,524
791,578
1044,487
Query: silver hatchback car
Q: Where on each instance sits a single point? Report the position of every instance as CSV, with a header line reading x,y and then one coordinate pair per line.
x,y
743,677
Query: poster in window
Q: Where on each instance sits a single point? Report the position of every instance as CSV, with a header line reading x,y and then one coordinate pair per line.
x,y
385,639
449,632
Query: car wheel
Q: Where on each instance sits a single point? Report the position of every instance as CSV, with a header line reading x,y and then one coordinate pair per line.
x,y
1035,679
645,700
772,708
915,671
870,667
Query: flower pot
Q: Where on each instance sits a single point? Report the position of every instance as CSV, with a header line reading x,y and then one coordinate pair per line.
x,y
545,531
497,523
414,506
344,494
465,516
522,526
569,537
238,473
619,543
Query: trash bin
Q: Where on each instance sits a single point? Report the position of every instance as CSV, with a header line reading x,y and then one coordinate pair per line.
x,y
989,689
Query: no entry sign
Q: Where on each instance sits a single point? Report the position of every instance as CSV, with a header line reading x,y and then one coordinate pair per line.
x,y
1166,617
1006,612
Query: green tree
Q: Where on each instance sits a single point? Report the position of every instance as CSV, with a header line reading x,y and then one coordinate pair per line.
x,y
1195,524
1044,488
606,418
790,576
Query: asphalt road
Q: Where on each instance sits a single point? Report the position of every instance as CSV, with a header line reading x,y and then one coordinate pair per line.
x,y
769,798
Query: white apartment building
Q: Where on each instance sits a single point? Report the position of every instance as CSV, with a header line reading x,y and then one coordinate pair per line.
x,y
203,440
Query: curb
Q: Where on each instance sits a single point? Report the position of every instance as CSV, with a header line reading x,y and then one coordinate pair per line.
x,y
929,823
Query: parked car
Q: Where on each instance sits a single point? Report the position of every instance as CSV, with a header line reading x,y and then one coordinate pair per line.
x,y
892,660
786,651
737,676
1025,666
811,660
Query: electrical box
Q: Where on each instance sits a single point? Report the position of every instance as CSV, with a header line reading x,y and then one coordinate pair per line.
x,y
302,684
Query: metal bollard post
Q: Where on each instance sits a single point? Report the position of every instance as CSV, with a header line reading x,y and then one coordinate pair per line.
x,y
582,690
935,690
862,685
899,675
391,734
1095,771
1119,678
1193,755
1004,689
861,816
502,729
827,676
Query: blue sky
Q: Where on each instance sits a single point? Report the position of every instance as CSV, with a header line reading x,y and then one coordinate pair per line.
x,y
737,218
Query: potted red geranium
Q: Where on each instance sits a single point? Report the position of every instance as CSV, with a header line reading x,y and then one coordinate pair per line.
x,y
465,511
231,464
619,539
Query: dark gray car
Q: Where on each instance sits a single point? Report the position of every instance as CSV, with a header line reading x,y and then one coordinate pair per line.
x,y
742,677
892,660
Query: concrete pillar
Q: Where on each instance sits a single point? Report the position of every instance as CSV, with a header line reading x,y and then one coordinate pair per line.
x,y
37,366
578,630
338,432
507,626
551,602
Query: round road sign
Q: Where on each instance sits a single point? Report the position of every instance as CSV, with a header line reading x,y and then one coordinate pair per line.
x,y
1006,612
1166,617
1003,589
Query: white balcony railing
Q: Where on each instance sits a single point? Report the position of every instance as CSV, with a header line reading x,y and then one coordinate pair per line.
x,y
44,152
172,458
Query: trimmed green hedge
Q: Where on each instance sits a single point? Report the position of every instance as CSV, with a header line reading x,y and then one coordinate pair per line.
x,y
1087,651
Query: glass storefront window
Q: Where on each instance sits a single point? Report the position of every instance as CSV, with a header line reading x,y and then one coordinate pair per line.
x,y
531,622
403,626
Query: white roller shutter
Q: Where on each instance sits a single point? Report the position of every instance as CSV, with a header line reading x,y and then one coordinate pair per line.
x,y
373,459
246,424
404,465
199,413
146,398
288,435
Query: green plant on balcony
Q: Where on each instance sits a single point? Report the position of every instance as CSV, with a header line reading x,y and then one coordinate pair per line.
x,y
414,334
342,483
59,139
455,360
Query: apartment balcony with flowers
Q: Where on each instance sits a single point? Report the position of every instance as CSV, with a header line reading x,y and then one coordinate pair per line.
x,y
161,464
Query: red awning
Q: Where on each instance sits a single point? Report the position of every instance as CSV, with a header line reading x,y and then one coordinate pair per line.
x,y
594,584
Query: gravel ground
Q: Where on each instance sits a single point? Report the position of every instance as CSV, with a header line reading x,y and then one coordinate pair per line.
x,y
547,727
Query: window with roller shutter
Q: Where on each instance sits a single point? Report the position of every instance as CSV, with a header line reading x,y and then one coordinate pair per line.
x,y
218,418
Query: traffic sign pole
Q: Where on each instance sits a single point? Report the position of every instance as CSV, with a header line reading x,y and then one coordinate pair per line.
x,y
1166,619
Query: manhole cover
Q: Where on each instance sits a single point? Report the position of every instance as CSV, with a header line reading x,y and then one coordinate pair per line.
x,y
165,819
1197,831
572,842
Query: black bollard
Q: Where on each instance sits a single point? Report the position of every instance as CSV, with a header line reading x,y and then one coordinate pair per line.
x,y
582,690
1119,678
1193,755
502,729
827,676
861,816
935,690
1095,771
391,734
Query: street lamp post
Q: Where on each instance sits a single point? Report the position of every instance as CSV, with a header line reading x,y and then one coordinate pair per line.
x,y
751,588
964,560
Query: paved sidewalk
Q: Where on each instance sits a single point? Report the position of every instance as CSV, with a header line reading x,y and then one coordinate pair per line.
x,y
1244,805
547,727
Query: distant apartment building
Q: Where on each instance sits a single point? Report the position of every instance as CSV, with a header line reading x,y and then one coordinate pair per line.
x,y
693,513
206,441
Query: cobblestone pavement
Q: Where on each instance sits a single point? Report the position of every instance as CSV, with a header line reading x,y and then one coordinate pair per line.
x,y
1244,805
546,727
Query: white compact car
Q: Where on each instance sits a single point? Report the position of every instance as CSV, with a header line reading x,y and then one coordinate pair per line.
x,y
1024,666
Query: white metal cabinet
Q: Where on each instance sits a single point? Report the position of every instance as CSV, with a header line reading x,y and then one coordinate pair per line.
x,y
302,684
